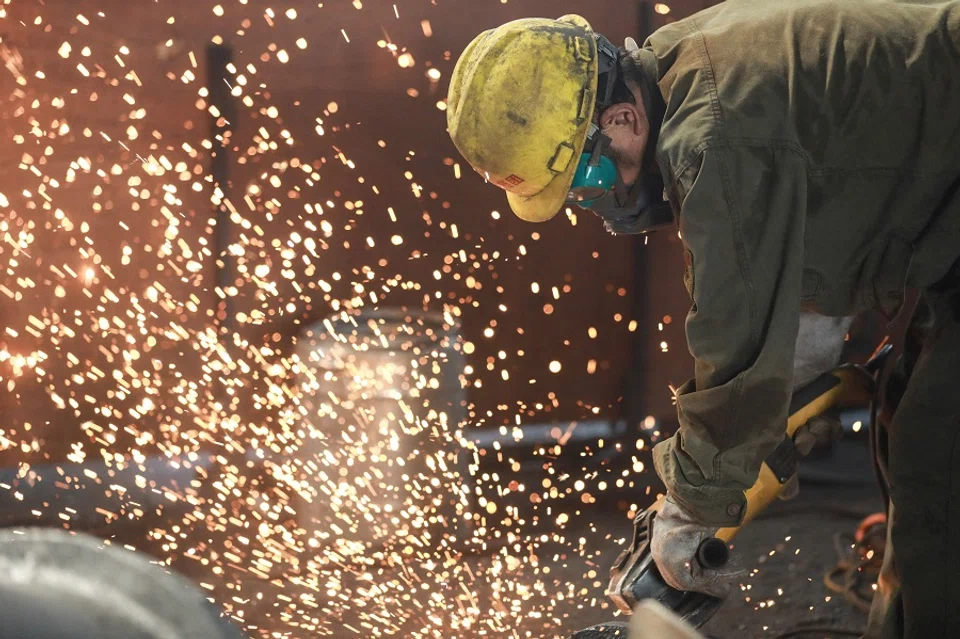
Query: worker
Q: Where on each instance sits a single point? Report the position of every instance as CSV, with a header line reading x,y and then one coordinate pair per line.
x,y
808,152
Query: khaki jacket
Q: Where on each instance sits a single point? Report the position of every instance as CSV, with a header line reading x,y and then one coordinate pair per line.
x,y
811,151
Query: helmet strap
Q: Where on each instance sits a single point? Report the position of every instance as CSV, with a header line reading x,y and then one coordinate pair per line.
x,y
608,71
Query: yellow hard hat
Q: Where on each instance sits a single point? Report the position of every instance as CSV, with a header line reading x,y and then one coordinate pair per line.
x,y
519,108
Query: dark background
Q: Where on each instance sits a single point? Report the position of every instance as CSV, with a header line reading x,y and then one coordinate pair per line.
x,y
363,96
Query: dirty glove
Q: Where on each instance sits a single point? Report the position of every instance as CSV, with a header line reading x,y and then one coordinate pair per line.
x,y
676,537
821,429
819,346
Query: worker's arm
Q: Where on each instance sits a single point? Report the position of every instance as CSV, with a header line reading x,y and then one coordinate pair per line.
x,y
742,224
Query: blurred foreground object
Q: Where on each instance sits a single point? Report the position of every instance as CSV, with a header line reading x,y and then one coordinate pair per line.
x,y
653,620
650,620
58,585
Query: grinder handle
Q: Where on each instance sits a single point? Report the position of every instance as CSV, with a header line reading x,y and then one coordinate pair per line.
x,y
712,553
847,384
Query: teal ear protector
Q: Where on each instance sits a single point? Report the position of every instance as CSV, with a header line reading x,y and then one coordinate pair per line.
x,y
596,186
596,174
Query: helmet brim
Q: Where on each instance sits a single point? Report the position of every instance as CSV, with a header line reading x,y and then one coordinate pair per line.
x,y
547,203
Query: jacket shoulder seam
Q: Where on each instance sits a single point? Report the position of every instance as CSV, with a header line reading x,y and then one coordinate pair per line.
x,y
720,142
707,66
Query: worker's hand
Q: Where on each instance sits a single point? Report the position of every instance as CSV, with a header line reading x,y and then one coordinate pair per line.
x,y
821,429
790,489
676,538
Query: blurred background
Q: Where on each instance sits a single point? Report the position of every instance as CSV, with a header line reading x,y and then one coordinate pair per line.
x,y
261,321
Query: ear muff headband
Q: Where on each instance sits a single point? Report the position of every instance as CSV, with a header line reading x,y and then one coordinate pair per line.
x,y
596,172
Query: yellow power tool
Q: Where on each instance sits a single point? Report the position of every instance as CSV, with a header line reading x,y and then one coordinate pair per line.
x,y
635,577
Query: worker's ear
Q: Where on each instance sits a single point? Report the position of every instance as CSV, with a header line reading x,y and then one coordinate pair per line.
x,y
623,114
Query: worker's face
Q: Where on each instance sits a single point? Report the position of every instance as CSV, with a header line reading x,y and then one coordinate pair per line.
x,y
627,127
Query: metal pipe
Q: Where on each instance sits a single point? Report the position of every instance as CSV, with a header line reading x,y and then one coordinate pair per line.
x,y
219,56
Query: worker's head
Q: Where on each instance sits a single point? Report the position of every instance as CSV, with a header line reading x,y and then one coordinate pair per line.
x,y
541,109
625,123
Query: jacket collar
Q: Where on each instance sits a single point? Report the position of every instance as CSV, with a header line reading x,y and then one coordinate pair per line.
x,y
642,70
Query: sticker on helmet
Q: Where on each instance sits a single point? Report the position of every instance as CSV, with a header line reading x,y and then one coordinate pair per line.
x,y
511,180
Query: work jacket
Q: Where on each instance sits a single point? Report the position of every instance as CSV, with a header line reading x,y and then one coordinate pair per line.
x,y
811,151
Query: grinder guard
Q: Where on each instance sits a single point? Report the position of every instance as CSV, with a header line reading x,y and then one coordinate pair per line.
x,y
635,577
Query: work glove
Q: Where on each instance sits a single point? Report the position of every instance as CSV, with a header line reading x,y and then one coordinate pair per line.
x,y
676,537
821,429
819,345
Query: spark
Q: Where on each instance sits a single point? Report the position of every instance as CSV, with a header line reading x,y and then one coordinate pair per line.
x,y
300,491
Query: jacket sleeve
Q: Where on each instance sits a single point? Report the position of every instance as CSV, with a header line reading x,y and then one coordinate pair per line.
x,y
742,225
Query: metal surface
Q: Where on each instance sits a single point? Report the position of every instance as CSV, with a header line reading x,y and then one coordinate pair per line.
x,y
545,434
54,584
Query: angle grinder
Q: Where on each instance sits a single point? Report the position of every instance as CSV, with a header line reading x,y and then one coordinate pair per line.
x,y
635,577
